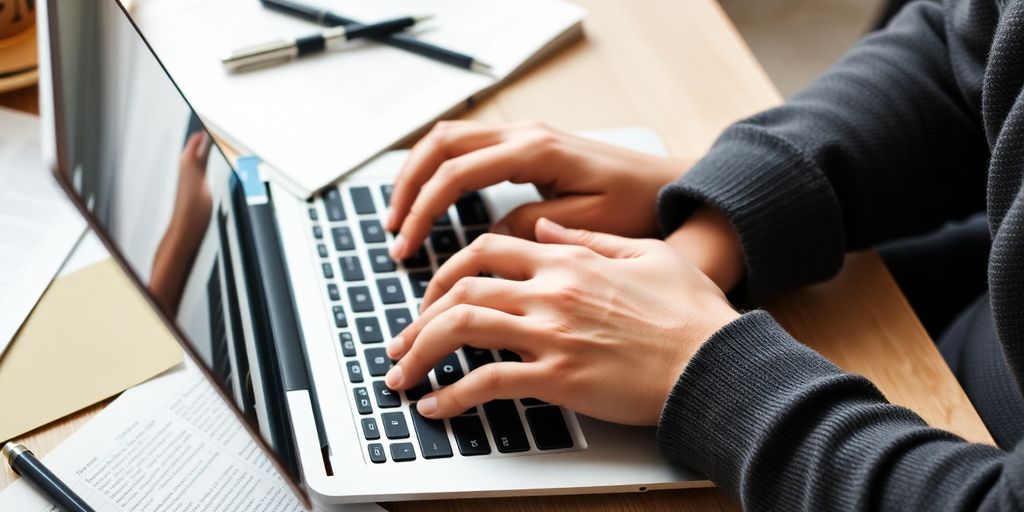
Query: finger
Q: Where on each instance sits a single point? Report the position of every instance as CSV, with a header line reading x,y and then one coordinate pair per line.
x,y
503,256
488,292
203,150
446,140
521,221
462,325
192,146
611,246
493,381
516,161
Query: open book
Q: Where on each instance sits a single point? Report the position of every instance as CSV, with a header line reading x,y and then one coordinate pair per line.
x,y
317,118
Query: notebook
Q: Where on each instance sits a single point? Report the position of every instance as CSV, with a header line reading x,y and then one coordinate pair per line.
x,y
317,118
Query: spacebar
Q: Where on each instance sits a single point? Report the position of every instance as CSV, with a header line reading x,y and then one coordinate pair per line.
x,y
432,435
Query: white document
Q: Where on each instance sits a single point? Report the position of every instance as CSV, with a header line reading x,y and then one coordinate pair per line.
x,y
317,118
38,225
167,444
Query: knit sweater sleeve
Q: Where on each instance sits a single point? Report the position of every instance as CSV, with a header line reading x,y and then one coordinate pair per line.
x,y
780,428
886,143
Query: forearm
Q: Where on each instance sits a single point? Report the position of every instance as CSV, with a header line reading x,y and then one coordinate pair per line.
x,y
780,428
708,241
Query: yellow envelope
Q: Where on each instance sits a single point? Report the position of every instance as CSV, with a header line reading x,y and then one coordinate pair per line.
x,y
91,336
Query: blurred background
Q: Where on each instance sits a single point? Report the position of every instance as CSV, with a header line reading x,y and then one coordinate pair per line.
x,y
796,40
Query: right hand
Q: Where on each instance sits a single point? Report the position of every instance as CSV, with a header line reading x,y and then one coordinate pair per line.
x,y
585,184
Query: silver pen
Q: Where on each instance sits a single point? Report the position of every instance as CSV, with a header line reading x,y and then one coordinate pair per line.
x,y
284,50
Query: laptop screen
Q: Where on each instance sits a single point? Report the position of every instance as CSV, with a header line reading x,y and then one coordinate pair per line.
x,y
136,156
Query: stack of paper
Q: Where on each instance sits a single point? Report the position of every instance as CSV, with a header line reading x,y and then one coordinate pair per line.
x,y
168,444
38,225
317,118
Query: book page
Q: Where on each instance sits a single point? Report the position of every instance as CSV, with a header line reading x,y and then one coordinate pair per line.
x,y
168,444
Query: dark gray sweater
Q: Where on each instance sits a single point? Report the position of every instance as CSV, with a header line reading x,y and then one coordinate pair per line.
x,y
918,124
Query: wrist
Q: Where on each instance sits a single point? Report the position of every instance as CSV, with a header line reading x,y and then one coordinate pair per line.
x,y
708,240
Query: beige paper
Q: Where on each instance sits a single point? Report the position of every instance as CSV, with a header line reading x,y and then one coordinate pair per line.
x,y
91,336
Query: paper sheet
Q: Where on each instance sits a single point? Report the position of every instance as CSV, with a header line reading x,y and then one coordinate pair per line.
x,y
317,118
168,444
38,225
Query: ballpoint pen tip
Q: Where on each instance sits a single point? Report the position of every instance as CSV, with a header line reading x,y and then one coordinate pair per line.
x,y
424,17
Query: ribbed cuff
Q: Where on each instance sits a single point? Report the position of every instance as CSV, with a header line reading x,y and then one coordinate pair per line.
x,y
780,204
740,382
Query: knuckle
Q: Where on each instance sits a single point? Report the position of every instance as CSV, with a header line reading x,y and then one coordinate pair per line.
x,y
490,379
463,289
480,246
461,317
448,170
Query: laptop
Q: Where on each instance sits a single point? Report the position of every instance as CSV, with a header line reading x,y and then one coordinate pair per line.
x,y
286,303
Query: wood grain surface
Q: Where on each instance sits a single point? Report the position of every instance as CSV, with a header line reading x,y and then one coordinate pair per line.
x,y
680,68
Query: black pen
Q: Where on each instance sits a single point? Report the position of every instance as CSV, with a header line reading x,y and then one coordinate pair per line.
x,y
29,467
403,41
265,54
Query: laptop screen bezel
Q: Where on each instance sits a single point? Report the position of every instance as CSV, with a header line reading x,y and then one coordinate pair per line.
x,y
53,144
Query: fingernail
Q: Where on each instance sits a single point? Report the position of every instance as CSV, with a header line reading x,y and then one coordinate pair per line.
x,y
395,346
398,249
394,377
500,229
427,405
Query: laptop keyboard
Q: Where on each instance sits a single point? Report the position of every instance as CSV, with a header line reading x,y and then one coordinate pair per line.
x,y
373,298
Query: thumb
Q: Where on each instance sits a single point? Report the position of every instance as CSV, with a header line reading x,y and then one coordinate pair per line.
x,y
521,221
611,246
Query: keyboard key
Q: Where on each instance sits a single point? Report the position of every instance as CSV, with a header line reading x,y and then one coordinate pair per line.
x,y
362,200
359,299
369,330
444,241
321,249
351,270
348,347
355,372
398,320
377,453
443,221
373,232
340,321
333,293
532,401
508,355
362,401
342,237
506,427
473,234
477,357
318,232
418,260
418,282
377,361
387,398
432,435
472,210
548,426
402,452
370,430
390,290
386,191
419,390
380,262
313,215
332,203
449,370
394,425
469,435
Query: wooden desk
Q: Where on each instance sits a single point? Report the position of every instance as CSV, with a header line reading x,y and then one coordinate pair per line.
x,y
681,68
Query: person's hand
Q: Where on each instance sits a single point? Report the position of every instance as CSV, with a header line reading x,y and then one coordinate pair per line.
x,y
585,184
605,325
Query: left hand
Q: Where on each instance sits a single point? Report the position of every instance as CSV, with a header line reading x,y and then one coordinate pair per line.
x,y
605,325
